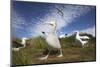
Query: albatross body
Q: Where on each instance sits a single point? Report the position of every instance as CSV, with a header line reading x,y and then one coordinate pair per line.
x,y
17,46
24,42
52,40
79,38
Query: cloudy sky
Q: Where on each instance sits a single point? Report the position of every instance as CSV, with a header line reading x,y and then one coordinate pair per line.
x,y
28,18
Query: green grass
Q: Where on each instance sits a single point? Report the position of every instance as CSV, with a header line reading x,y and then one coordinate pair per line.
x,y
72,52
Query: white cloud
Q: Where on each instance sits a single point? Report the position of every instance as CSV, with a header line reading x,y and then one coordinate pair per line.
x,y
16,21
71,12
90,30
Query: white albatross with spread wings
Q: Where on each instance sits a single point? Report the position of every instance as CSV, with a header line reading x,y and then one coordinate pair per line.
x,y
52,40
79,38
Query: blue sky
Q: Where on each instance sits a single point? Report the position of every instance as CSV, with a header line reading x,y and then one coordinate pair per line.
x,y
28,18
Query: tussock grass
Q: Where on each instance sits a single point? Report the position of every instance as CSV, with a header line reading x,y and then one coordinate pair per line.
x,y
73,52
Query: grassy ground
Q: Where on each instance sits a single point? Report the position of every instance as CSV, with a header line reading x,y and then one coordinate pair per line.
x,y
25,56
72,53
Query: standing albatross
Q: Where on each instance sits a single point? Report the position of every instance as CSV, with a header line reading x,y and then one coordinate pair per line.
x,y
17,45
52,40
79,38
24,42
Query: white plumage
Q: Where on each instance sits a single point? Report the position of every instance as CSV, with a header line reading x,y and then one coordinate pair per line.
x,y
84,37
52,40
24,42
15,49
79,38
18,45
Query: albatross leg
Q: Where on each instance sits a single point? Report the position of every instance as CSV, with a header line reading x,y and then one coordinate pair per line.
x,y
45,58
61,54
83,46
